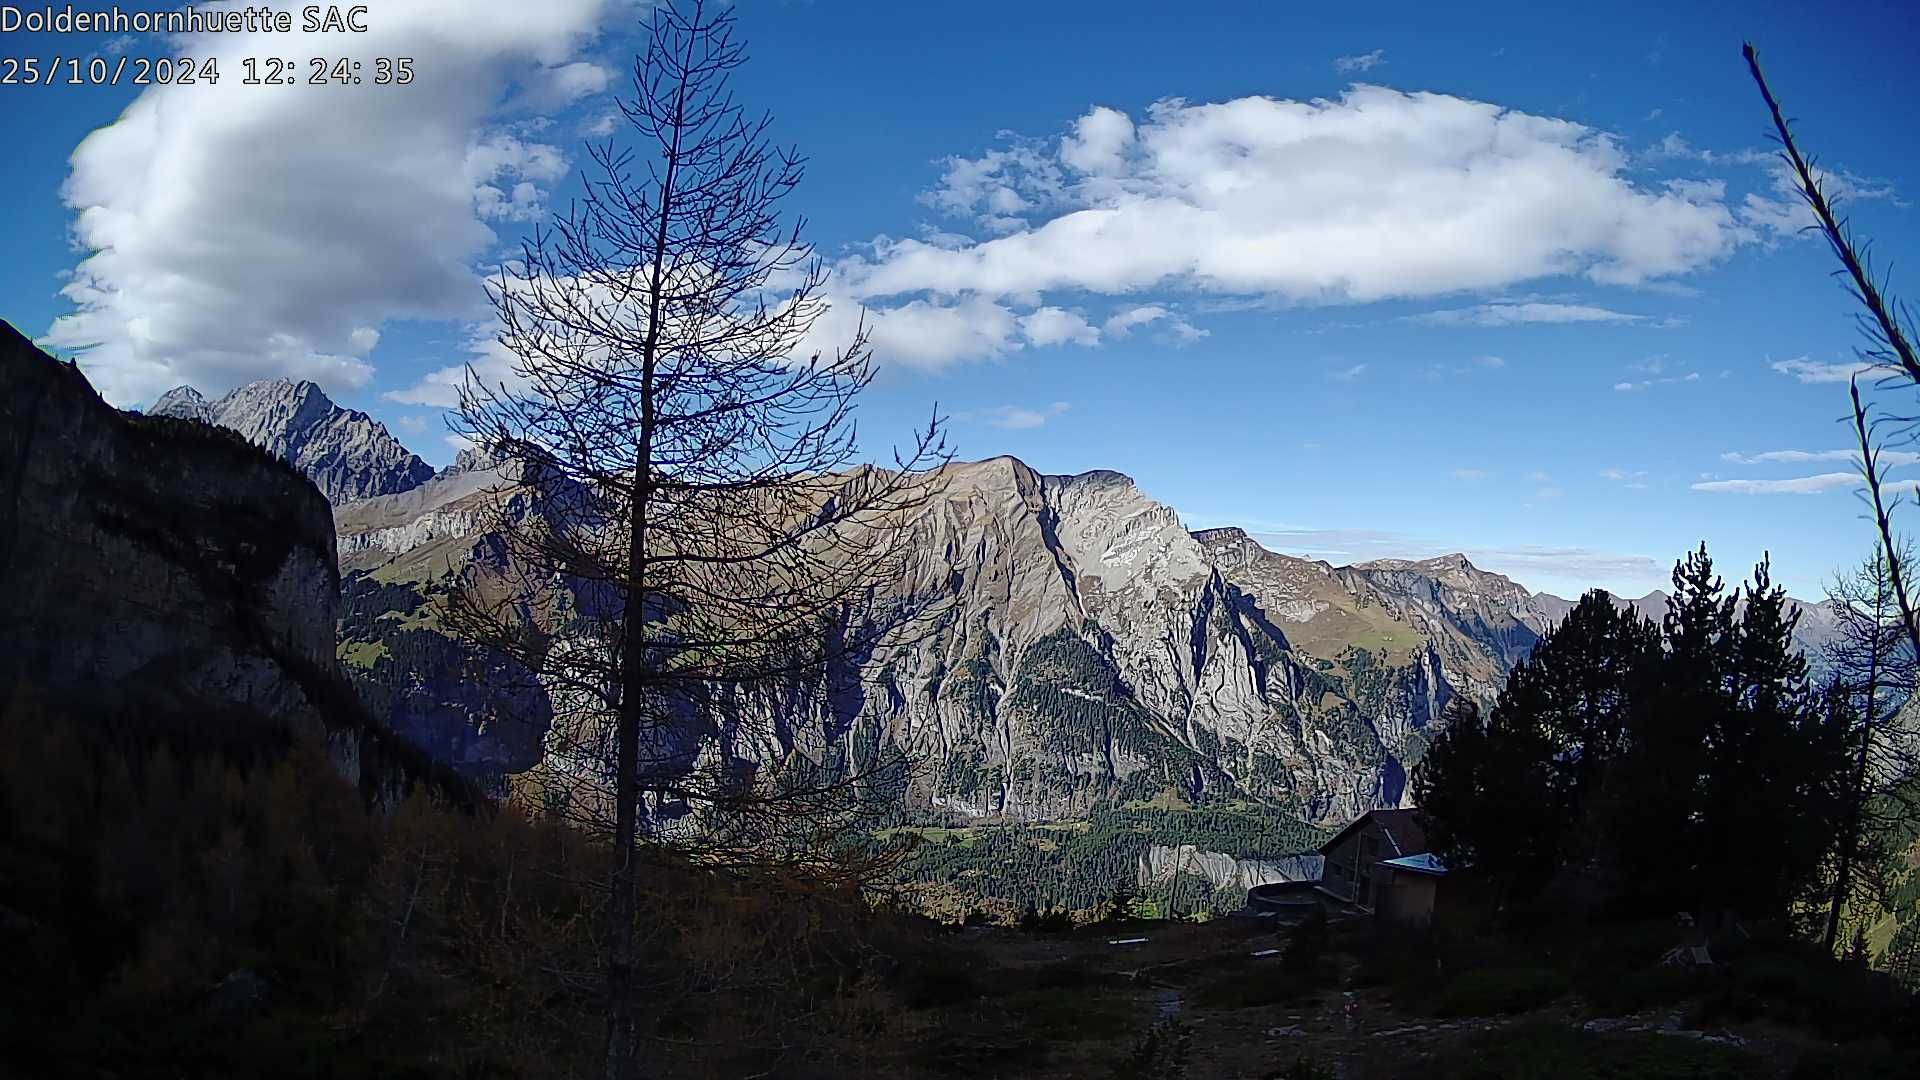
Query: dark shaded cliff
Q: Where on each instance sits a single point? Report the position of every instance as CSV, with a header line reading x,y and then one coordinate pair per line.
x,y
163,573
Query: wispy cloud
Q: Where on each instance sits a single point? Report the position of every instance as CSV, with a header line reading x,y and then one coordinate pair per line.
x,y
1784,214
1645,384
1019,417
1809,370
1470,474
1348,374
1799,485
1124,322
1786,456
1346,65
1506,313
1886,458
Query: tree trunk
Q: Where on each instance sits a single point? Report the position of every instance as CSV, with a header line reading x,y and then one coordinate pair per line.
x,y
626,826
634,659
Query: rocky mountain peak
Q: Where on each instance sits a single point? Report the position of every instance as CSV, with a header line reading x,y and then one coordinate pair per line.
x,y
346,453
185,403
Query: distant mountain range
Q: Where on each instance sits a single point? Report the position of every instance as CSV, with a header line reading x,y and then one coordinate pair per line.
x,y
1094,649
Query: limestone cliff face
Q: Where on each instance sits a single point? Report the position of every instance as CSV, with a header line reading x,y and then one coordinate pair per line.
x,y
156,566
1091,650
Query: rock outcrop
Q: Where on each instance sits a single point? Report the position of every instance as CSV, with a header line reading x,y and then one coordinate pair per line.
x,y
347,454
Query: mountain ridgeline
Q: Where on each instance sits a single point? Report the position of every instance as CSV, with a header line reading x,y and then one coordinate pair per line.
x,y
1089,649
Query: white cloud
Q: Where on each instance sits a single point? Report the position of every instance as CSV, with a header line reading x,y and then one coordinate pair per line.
x,y
1540,476
1470,474
237,232
1490,362
1347,65
1623,475
1790,456
1548,493
930,335
1058,326
1799,485
998,188
1099,142
1377,194
1809,370
1507,313
1124,322
581,79
1348,374
1019,417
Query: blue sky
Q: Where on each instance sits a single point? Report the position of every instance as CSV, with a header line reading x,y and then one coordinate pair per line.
x,y
1377,280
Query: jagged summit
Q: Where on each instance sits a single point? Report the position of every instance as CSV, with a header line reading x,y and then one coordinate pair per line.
x,y
346,453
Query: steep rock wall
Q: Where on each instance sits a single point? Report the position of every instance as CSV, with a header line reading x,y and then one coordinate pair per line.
x,y
160,570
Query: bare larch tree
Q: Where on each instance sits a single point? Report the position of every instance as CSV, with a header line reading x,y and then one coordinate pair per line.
x,y
1879,632
705,559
